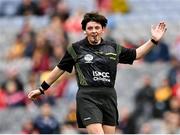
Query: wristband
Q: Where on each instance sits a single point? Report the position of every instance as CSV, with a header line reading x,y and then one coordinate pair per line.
x,y
154,42
45,86
41,90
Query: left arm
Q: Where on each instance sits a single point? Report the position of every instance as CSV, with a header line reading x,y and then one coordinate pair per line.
x,y
157,33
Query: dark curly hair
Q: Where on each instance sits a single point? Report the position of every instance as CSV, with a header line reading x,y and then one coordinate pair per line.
x,y
93,16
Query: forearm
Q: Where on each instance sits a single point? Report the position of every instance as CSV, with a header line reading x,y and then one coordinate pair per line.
x,y
144,49
54,75
157,33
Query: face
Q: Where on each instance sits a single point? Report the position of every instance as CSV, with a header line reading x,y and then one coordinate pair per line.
x,y
46,109
94,32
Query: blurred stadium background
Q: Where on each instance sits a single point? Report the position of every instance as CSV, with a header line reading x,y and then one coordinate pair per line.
x,y
33,37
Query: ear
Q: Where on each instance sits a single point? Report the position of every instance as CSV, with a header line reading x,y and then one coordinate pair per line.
x,y
84,32
103,30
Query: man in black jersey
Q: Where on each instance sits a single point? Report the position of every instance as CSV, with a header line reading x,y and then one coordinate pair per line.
x,y
95,62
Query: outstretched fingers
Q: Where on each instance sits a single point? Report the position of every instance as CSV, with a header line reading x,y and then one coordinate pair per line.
x,y
162,26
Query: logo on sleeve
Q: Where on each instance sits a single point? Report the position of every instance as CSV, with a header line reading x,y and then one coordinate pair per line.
x,y
88,118
88,58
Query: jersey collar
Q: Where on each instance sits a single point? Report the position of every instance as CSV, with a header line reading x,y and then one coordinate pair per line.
x,y
87,42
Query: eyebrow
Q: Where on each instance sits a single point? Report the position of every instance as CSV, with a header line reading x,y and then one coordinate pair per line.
x,y
92,26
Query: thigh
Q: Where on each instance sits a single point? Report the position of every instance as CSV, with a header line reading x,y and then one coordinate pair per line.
x,y
95,128
109,129
110,113
88,113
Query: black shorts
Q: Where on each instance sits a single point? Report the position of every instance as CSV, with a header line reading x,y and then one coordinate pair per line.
x,y
96,107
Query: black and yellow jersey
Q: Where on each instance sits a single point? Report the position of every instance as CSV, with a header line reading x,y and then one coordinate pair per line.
x,y
96,65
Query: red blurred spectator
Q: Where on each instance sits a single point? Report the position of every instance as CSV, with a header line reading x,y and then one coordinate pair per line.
x,y
176,90
73,24
28,128
15,97
41,55
3,99
176,48
104,5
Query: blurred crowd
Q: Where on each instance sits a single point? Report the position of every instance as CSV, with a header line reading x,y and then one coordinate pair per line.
x,y
45,48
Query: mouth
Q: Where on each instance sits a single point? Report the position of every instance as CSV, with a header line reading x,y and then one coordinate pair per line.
x,y
94,36
95,40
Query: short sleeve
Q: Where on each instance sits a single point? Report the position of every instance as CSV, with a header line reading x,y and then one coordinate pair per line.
x,y
127,55
66,63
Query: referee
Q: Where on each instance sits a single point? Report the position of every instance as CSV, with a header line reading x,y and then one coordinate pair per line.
x,y
95,62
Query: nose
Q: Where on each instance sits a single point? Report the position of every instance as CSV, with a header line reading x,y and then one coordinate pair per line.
x,y
94,30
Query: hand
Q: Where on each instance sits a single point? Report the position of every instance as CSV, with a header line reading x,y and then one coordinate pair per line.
x,y
34,94
158,31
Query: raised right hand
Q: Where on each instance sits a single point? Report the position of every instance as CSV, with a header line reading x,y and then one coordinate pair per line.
x,y
34,94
